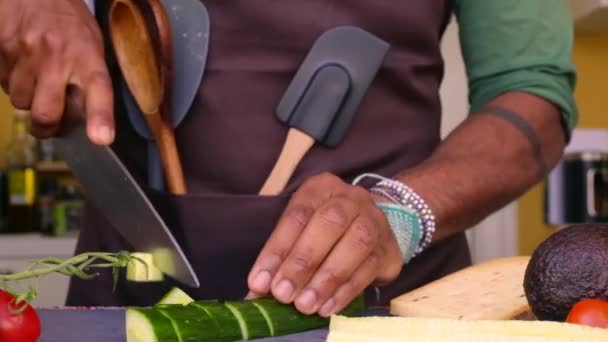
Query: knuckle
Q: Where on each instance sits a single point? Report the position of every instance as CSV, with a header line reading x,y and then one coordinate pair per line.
x,y
298,216
300,260
98,76
366,234
278,253
335,214
373,259
29,40
54,40
331,278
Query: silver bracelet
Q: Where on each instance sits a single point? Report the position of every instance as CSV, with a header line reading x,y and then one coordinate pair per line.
x,y
404,195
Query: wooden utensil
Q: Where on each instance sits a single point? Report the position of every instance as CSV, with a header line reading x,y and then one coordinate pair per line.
x,y
142,45
296,146
190,27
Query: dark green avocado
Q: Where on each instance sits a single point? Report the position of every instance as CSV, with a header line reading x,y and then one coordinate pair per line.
x,y
569,266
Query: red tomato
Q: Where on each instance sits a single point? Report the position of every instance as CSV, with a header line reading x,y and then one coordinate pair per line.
x,y
591,312
21,327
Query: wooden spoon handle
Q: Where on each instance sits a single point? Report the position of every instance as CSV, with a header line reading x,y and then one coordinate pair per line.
x,y
167,148
165,45
295,148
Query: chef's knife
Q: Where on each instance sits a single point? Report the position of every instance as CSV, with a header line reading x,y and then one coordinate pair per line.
x,y
112,190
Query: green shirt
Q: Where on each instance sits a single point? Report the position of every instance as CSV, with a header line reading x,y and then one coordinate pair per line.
x,y
519,45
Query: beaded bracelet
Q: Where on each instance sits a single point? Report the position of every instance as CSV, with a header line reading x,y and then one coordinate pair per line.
x,y
405,225
404,195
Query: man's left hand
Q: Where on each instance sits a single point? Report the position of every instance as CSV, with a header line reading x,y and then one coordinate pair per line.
x,y
331,243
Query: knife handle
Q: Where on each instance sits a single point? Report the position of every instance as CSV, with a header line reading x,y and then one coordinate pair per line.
x,y
295,148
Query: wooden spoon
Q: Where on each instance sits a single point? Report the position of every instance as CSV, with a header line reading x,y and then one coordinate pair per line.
x,y
146,66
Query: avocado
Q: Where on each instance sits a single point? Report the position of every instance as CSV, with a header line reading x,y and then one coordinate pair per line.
x,y
569,266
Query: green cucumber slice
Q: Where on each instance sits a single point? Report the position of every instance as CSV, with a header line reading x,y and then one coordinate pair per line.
x,y
285,319
229,328
191,323
143,269
149,325
175,296
252,322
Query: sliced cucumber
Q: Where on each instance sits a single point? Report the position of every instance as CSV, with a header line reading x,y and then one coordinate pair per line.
x,y
143,269
149,325
285,319
176,296
252,322
229,328
191,323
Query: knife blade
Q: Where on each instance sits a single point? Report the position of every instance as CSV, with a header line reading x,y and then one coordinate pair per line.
x,y
114,192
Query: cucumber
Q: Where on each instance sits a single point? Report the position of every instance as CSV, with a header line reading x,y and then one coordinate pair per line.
x,y
191,323
178,318
252,322
229,328
285,319
143,269
149,325
176,296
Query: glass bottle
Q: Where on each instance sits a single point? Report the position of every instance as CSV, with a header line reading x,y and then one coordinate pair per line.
x,y
21,160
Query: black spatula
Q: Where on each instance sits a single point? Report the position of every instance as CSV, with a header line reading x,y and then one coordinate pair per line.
x,y
321,101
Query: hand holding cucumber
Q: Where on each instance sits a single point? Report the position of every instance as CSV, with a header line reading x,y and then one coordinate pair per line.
x,y
330,244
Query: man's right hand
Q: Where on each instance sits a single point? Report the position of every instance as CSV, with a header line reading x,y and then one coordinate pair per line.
x,y
49,49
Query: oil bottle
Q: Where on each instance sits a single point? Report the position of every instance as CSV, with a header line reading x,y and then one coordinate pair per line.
x,y
21,157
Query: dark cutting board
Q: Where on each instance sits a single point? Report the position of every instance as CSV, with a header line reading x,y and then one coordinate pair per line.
x,y
108,325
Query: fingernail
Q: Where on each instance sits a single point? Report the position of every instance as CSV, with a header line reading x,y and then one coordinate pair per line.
x,y
284,291
327,308
105,134
308,300
261,282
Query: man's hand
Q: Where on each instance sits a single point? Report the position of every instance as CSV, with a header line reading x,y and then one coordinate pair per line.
x,y
48,48
330,244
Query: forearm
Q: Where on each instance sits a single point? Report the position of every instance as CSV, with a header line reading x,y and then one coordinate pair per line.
x,y
487,162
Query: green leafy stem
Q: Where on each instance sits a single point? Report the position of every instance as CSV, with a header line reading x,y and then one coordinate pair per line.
x,y
79,266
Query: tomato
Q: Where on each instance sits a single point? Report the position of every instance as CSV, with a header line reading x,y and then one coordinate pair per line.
x,y
591,312
17,327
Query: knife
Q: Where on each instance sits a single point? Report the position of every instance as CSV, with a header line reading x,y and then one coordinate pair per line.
x,y
114,192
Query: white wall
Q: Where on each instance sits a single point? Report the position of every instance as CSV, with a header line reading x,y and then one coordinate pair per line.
x,y
496,236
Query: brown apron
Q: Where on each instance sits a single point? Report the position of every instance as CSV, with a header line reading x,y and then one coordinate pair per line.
x,y
231,138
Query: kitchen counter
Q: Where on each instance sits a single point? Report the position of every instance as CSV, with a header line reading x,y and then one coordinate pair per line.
x,y
108,325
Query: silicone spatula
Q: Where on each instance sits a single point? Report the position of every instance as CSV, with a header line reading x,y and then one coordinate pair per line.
x,y
322,100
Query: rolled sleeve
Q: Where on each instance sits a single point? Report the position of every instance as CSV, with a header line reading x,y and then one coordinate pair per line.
x,y
519,45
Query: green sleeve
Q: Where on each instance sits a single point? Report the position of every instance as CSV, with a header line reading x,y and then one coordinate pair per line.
x,y
519,45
